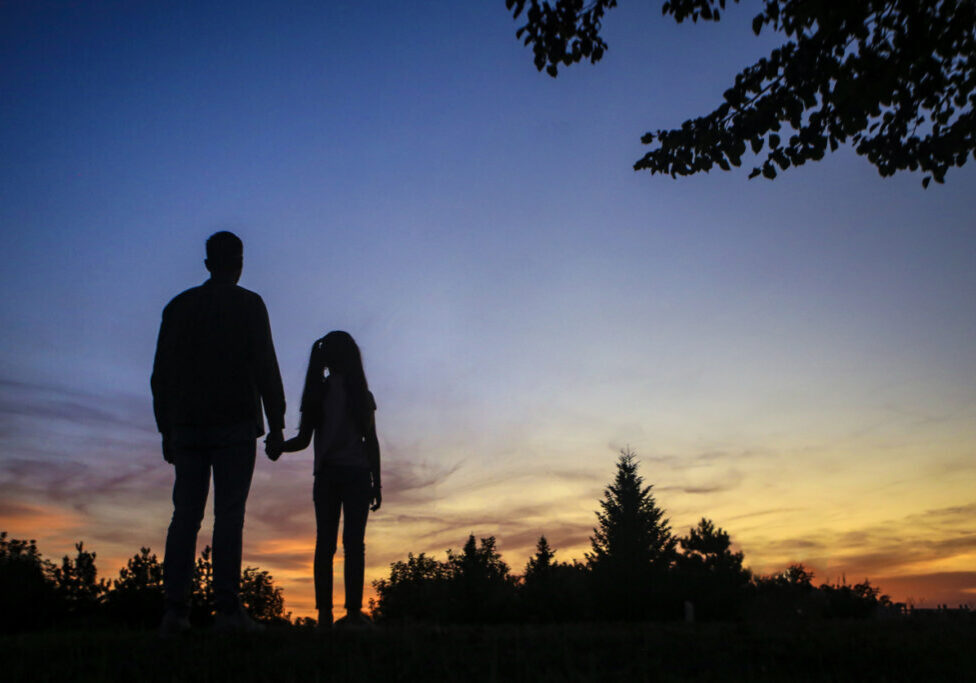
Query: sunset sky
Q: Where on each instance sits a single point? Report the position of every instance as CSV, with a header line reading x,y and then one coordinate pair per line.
x,y
793,359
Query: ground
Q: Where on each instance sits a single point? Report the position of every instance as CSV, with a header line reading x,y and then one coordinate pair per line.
x,y
900,650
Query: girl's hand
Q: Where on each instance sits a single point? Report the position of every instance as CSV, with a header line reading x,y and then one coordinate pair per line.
x,y
377,498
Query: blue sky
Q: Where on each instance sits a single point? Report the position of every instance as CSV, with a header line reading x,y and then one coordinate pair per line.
x,y
792,358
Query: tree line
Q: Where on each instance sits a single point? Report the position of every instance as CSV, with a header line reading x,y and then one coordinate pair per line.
x,y
636,570
36,592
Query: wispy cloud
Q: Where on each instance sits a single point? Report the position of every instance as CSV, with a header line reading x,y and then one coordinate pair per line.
x,y
888,553
55,403
705,482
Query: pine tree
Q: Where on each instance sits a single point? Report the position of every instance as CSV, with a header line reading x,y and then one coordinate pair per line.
x,y
78,583
553,591
482,588
136,597
539,567
632,545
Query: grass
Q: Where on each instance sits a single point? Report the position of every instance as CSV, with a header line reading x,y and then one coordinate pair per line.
x,y
901,650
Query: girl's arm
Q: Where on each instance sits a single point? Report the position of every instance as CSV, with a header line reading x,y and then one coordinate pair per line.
x,y
299,443
373,457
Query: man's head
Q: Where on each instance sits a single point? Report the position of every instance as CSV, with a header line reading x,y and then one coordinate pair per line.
x,y
225,256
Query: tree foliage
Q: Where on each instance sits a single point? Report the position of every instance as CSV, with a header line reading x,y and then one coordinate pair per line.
x,y
470,586
894,78
553,591
484,589
35,592
259,595
636,570
136,597
539,567
77,583
631,531
416,589
711,575
632,547
26,588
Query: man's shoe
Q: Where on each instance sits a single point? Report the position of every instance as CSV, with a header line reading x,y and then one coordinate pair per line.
x,y
173,624
355,621
237,621
324,623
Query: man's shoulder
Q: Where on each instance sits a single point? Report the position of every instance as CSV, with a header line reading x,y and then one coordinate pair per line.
x,y
190,297
247,294
184,298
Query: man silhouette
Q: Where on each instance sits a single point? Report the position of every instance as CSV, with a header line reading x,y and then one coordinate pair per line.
x,y
215,365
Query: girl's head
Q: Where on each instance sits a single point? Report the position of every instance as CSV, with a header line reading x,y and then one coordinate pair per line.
x,y
338,352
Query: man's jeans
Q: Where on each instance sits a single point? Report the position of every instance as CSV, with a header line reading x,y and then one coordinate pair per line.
x,y
348,489
232,469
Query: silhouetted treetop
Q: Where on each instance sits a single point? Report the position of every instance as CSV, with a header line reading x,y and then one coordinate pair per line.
x,y
894,78
540,564
707,541
632,530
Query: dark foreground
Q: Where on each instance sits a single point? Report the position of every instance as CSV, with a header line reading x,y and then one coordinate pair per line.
x,y
903,650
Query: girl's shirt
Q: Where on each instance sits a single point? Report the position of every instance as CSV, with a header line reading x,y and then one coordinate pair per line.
x,y
338,439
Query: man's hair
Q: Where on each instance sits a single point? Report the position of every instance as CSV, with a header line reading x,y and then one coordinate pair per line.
x,y
224,248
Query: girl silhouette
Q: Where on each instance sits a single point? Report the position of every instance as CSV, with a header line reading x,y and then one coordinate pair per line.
x,y
339,410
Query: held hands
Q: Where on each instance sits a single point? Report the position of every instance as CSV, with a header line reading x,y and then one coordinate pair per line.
x,y
273,444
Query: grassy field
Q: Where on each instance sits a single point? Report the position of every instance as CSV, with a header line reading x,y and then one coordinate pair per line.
x,y
901,650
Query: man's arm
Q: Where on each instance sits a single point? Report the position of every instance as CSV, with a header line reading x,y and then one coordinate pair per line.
x,y
161,381
267,374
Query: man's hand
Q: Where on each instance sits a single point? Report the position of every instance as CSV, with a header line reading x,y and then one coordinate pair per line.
x,y
273,443
377,498
167,450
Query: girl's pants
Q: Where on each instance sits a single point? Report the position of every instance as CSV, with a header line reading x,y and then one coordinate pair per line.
x,y
345,489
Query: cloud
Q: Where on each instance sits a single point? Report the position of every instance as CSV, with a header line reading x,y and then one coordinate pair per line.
x,y
415,480
699,483
49,403
762,513
906,551
19,515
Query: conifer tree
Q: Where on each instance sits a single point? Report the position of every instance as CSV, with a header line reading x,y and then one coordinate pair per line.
x,y
632,545
539,566
632,530
78,583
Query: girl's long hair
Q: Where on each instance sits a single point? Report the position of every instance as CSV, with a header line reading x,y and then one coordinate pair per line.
x,y
338,351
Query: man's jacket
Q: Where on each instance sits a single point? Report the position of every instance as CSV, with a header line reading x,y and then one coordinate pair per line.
x,y
215,362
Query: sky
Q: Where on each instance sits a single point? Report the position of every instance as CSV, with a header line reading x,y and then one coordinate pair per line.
x,y
794,359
